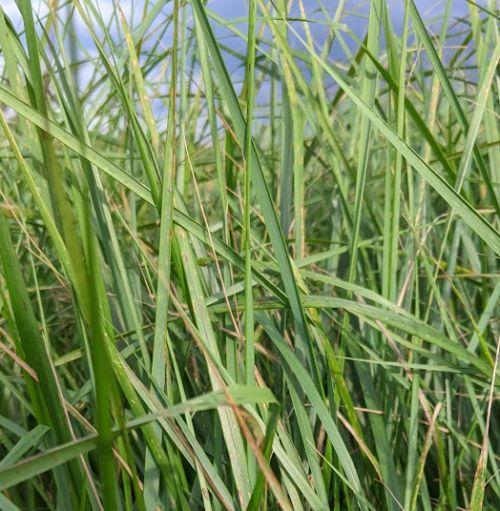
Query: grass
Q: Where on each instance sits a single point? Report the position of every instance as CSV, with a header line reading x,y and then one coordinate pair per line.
x,y
252,264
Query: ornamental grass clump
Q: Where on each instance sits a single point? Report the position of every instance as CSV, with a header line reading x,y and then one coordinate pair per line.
x,y
249,255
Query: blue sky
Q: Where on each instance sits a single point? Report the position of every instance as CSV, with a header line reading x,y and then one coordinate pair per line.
x,y
235,8
355,18
355,10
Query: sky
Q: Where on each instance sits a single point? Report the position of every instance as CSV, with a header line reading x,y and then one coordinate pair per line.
x,y
234,8
355,19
